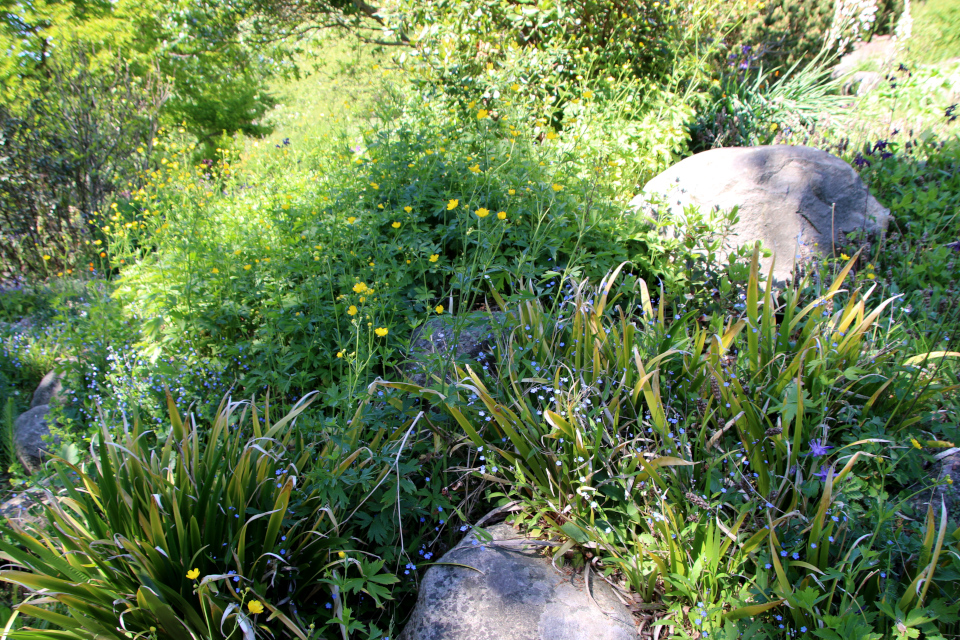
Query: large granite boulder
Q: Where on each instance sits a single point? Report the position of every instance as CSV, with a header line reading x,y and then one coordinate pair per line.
x,y
512,593
50,390
797,200
439,343
29,432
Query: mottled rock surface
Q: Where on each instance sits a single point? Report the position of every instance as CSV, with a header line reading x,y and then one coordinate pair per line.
x,y
512,593
942,470
29,431
442,341
798,201
49,391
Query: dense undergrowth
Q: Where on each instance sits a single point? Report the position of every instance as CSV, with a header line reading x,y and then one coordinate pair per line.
x,y
754,462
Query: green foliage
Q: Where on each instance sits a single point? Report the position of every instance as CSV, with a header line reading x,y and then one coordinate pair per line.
x,y
183,535
694,454
936,26
748,109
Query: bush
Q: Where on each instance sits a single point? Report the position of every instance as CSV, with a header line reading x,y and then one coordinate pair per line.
x,y
202,534
690,454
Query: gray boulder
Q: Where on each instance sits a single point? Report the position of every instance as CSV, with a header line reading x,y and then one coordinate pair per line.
x,y
29,431
945,470
512,593
798,201
50,390
440,342
862,83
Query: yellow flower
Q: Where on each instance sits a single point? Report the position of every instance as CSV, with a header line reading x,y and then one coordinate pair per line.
x,y
557,187
381,331
515,86
434,257
352,310
482,213
587,94
439,309
511,192
215,270
551,135
396,225
453,204
408,209
502,215
255,606
360,287
339,354
247,267
475,168
193,574
472,104
237,252
351,220
374,185
46,257
870,276
483,113
341,554
844,256
916,444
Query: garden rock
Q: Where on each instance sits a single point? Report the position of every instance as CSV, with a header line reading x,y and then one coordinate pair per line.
x,y
946,470
878,52
50,390
798,201
862,83
29,431
441,340
512,593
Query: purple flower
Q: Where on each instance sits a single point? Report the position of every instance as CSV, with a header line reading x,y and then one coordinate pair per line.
x,y
823,473
818,449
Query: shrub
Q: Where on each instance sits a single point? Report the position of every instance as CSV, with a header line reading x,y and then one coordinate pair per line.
x,y
185,537
691,454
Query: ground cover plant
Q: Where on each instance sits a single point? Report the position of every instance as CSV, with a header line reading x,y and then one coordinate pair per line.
x,y
744,460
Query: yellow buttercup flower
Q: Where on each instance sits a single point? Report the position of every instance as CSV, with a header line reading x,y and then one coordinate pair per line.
x,y
352,310
439,309
341,555
351,220
557,187
551,135
587,94
474,169
193,574
395,225
434,257
483,113
502,215
339,354
255,606
515,86
215,270
844,256
46,257
381,331
453,204
916,444
408,209
247,267
512,192
360,287
374,185
482,213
